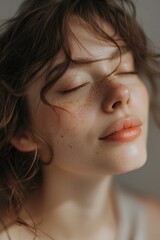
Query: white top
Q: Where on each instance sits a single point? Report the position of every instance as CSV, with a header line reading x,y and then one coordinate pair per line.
x,y
132,216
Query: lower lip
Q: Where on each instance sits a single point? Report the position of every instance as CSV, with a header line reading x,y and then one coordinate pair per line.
x,y
125,135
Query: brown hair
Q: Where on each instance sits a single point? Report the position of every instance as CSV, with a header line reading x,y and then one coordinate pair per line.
x,y
31,40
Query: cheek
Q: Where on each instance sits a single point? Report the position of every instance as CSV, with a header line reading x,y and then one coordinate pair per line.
x,y
141,106
73,114
67,118
141,98
55,122
43,120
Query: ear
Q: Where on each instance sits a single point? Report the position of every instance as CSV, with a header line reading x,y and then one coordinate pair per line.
x,y
24,142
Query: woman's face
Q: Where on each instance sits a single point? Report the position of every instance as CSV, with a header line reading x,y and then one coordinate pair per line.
x,y
91,107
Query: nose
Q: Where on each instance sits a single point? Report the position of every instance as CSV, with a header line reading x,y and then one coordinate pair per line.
x,y
117,96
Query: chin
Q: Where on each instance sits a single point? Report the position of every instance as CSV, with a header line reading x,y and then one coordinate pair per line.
x,y
131,162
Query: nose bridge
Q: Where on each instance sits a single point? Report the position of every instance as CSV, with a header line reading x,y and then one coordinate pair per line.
x,y
117,95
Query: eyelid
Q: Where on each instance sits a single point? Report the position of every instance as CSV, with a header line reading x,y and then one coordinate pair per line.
x,y
128,73
73,89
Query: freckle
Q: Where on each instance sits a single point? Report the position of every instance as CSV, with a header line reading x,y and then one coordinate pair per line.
x,y
70,146
61,136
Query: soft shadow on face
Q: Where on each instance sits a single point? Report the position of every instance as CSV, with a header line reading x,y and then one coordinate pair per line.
x,y
91,103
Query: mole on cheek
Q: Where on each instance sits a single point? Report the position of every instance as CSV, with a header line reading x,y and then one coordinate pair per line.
x,y
70,146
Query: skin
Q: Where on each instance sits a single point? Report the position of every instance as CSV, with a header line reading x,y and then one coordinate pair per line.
x,y
78,180
90,110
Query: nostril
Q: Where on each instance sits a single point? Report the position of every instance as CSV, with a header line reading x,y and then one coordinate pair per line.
x,y
116,104
118,97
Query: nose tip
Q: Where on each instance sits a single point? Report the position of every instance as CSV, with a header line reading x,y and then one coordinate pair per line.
x,y
117,97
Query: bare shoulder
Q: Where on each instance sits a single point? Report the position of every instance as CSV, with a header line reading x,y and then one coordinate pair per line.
x,y
11,232
152,207
15,232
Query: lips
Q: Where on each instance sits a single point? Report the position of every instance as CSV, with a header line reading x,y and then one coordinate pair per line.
x,y
124,129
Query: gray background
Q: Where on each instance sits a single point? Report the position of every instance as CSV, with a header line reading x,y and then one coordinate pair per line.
x,y
147,178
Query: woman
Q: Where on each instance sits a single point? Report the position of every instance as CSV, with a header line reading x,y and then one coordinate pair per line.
x,y
74,112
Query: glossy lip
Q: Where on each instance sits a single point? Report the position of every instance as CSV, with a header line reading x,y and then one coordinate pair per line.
x,y
120,125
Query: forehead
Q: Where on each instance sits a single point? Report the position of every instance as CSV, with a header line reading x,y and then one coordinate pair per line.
x,y
86,43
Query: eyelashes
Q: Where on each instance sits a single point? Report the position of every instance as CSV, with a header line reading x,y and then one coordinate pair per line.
x,y
67,91
128,73
71,90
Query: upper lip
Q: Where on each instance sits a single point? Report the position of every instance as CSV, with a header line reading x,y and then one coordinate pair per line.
x,y
119,125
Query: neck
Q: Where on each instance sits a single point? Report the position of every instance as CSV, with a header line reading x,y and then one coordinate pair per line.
x,y
76,202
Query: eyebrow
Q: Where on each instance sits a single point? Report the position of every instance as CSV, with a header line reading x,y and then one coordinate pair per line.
x,y
115,54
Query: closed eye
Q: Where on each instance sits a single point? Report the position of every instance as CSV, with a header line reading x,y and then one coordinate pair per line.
x,y
73,89
128,73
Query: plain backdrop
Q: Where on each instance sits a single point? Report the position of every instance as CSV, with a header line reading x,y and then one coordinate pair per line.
x,y
146,179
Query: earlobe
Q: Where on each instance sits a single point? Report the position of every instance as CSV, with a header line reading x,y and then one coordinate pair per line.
x,y
24,142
